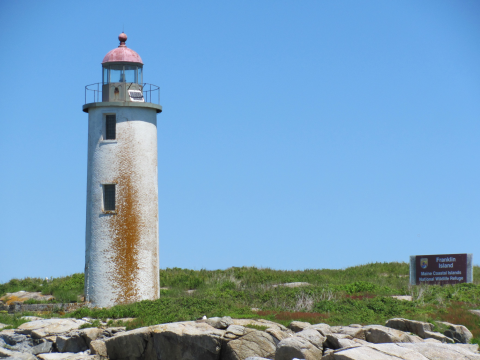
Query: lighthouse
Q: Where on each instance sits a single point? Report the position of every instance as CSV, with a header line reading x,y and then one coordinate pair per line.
x,y
121,254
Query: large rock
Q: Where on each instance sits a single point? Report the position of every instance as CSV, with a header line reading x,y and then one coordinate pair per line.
x,y
187,340
313,336
220,323
41,328
340,341
375,352
255,343
458,333
297,326
73,343
68,356
442,351
438,336
14,355
12,338
323,329
90,334
354,331
97,347
297,347
129,345
475,312
417,351
277,334
417,327
16,342
235,331
43,347
381,334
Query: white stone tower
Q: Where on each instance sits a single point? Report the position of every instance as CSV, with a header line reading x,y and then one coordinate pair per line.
x,y
121,255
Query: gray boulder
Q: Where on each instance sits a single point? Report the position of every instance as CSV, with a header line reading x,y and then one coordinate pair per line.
x,y
442,351
458,333
323,329
417,351
313,336
341,341
235,331
354,331
44,346
129,345
16,342
68,356
187,340
254,344
278,334
416,327
41,328
15,355
438,336
220,323
71,344
375,352
297,347
381,334
98,347
90,334
11,338
297,326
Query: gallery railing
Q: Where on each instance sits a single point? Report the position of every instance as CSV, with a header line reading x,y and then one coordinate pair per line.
x,y
151,93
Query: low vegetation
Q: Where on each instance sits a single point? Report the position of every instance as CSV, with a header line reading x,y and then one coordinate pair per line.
x,y
64,289
360,294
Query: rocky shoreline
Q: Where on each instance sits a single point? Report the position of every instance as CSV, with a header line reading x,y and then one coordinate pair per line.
x,y
236,339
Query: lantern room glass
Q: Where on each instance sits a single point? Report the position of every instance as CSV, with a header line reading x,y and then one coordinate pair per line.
x,y
130,74
122,73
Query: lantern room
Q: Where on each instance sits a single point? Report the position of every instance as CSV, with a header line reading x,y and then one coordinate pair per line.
x,y
122,74
122,80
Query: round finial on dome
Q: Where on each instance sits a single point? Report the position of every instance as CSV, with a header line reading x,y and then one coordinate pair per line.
x,y
122,37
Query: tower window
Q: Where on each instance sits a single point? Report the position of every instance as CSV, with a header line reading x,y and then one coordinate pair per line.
x,y
110,127
109,197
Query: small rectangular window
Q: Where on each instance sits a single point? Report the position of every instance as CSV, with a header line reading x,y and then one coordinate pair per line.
x,y
109,197
110,127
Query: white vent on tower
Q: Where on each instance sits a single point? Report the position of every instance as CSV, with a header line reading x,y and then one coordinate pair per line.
x,y
136,95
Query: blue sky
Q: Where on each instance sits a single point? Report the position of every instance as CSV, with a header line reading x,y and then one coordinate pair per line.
x,y
295,134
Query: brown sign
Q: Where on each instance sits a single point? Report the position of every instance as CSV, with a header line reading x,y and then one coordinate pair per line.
x,y
441,269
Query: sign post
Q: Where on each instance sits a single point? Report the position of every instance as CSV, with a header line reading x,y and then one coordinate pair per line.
x,y
441,269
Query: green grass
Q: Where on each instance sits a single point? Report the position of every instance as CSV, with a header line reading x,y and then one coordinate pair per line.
x,y
13,320
257,327
359,294
95,323
64,289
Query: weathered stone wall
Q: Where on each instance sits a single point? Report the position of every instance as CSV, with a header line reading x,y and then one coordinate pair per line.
x,y
17,307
